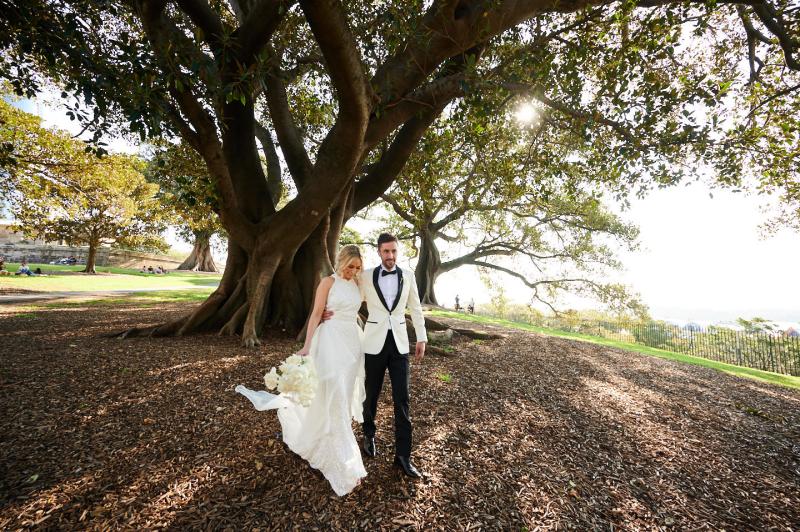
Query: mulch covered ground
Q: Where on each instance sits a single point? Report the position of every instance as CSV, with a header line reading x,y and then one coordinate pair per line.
x,y
530,432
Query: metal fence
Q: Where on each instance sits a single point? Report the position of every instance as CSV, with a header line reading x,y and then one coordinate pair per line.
x,y
768,351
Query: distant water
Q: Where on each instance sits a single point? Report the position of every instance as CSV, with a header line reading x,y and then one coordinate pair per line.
x,y
783,318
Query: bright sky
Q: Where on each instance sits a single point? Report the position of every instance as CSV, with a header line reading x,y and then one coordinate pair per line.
x,y
702,259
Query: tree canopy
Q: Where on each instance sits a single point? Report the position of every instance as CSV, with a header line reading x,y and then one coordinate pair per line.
x,y
188,191
59,192
646,91
506,194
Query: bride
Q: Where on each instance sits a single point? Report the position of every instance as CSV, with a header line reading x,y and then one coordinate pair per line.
x,y
322,433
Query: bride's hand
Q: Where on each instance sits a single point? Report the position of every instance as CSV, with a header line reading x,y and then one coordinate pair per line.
x,y
303,352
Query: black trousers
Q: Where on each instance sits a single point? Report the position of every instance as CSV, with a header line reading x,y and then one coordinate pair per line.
x,y
375,368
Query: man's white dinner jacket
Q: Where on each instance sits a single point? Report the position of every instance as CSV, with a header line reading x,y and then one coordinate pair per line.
x,y
386,315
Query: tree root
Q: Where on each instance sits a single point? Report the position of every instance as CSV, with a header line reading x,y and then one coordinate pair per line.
x,y
431,324
234,324
478,335
438,351
157,331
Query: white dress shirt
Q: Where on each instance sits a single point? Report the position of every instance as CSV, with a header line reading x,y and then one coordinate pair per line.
x,y
388,285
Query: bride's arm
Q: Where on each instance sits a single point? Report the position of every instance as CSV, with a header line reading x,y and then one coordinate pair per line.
x,y
320,299
362,292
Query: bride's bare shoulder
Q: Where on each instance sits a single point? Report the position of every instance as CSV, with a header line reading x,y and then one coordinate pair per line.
x,y
326,282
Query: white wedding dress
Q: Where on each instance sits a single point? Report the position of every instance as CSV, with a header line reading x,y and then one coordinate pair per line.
x,y
322,432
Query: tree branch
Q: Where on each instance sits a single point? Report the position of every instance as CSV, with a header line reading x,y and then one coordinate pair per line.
x,y
273,163
342,58
289,138
186,131
581,114
160,31
386,170
774,23
398,209
205,18
753,37
778,94
438,93
466,185
528,283
259,24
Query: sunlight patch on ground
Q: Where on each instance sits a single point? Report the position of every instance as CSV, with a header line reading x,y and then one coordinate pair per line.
x,y
221,363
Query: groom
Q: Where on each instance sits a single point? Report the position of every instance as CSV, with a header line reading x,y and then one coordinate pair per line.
x,y
388,290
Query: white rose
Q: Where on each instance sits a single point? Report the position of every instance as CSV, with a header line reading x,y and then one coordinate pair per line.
x,y
294,360
271,379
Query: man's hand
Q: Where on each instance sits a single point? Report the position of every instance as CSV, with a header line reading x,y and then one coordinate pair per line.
x,y
326,315
420,353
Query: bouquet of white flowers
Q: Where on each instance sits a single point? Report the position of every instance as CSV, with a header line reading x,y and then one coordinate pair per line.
x,y
295,379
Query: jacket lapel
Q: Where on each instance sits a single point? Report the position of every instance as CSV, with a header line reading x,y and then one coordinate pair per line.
x,y
399,288
375,275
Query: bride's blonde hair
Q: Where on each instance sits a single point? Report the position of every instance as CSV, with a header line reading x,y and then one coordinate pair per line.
x,y
347,254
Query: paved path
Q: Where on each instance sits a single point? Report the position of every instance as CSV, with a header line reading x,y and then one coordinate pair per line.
x,y
38,296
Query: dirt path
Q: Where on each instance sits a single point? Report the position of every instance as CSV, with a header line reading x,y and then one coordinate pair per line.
x,y
15,295
530,431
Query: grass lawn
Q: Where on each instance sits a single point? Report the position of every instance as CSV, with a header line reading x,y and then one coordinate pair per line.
x,y
774,378
140,299
63,278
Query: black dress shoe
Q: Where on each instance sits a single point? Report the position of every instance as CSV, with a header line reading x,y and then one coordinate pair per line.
x,y
408,468
369,446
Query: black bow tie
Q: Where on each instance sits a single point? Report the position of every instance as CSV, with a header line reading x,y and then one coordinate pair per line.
x,y
384,272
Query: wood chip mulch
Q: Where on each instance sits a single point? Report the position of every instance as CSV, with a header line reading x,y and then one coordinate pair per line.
x,y
525,432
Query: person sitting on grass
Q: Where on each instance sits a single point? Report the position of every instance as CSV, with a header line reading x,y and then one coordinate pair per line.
x,y
3,270
150,269
24,269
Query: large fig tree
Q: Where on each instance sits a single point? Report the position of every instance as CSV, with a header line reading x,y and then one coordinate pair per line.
x,y
513,202
344,91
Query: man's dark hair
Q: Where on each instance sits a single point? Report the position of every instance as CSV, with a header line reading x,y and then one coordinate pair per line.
x,y
384,238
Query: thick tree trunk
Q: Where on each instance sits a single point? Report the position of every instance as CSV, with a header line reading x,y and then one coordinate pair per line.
x,y
92,258
428,268
200,259
275,256
273,286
